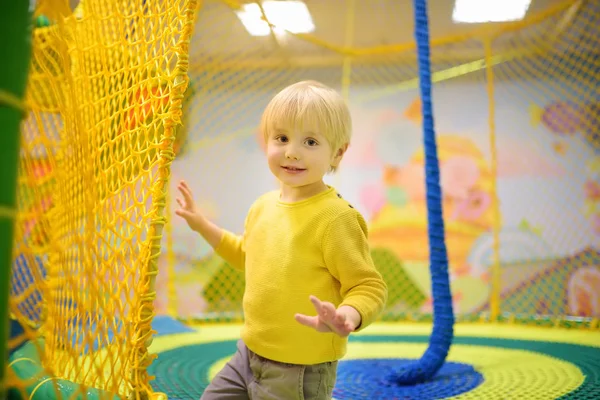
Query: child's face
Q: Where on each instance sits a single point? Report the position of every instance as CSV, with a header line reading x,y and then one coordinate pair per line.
x,y
299,157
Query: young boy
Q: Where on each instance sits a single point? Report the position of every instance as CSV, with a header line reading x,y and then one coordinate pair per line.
x,y
303,249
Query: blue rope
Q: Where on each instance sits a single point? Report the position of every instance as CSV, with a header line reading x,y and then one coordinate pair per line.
x,y
443,316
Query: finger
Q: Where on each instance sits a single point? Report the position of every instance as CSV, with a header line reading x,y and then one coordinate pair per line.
x,y
182,213
344,331
324,313
317,303
349,327
182,190
340,319
180,202
187,194
329,311
311,322
184,185
338,323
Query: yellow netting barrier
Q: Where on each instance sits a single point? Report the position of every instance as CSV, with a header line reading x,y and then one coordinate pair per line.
x,y
503,95
108,89
105,93
556,67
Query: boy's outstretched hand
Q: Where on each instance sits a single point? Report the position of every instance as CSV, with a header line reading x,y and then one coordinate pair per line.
x,y
192,215
187,209
341,321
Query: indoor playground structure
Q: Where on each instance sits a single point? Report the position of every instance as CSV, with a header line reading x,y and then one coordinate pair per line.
x,y
475,160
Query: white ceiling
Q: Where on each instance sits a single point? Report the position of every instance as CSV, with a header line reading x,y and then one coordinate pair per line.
x,y
377,22
220,36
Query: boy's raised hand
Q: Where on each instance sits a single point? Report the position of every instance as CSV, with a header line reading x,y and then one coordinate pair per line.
x,y
188,210
330,319
194,217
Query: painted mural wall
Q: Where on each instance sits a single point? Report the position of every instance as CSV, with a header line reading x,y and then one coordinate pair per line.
x,y
548,186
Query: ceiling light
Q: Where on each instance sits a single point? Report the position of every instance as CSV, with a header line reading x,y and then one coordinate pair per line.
x,y
292,16
479,11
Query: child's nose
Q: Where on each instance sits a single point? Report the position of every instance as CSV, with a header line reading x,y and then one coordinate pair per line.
x,y
292,153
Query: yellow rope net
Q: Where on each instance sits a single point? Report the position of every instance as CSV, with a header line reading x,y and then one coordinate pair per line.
x,y
105,94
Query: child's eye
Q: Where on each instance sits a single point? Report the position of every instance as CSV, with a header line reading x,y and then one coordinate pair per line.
x,y
282,139
311,142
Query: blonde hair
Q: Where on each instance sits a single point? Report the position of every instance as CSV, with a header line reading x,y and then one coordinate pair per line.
x,y
310,103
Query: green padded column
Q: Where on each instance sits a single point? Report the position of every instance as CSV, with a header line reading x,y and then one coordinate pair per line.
x,y
15,47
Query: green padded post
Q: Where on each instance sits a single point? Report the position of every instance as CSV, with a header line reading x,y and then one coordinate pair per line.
x,y
15,47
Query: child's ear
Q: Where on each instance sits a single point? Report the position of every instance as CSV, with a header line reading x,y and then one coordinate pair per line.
x,y
343,150
338,155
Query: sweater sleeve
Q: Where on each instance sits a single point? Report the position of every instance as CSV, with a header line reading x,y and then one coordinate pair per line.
x,y
348,258
232,246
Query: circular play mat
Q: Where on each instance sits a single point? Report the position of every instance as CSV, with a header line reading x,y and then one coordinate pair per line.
x,y
485,362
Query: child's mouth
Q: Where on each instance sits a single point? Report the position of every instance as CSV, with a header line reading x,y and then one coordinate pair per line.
x,y
293,169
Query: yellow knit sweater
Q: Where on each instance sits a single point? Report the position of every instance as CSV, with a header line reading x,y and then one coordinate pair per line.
x,y
290,251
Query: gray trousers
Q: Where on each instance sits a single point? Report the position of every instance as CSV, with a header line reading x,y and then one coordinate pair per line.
x,y
250,376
